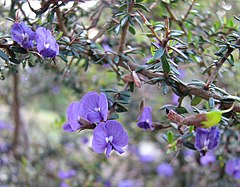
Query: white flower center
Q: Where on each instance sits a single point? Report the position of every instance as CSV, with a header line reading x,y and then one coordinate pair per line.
x,y
205,146
109,139
97,109
25,36
46,45
147,120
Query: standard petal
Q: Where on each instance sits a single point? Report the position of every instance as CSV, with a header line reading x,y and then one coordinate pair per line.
x,y
213,137
99,143
88,103
116,130
40,38
201,137
73,111
103,105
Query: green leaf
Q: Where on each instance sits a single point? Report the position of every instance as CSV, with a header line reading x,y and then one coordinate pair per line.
x,y
213,118
189,145
75,53
122,101
181,110
132,30
196,100
121,108
137,5
175,33
211,102
170,137
18,49
125,93
124,20
122,7
116,59
164,87
139,23
113,116
15,61
179,52
117,29
3,55
59,35
159,53
109,90
165,64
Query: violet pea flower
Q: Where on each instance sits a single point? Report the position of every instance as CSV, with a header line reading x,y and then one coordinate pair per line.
x,y
165,170
93,107
145,120
232,168
109,136
46,43
207,139
23,35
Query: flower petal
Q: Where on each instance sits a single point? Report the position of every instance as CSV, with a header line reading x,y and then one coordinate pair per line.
x,y
99,143
103,105
115,129
67,127
214,138
109,149
88,103
201,137
145,120
94,117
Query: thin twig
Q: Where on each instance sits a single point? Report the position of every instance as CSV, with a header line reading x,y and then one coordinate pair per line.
x,y
188,11
219,64
174,18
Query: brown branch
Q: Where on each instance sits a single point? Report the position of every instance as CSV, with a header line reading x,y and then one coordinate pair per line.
x,y
60,22
185,89
16,112
150,27
220,63
122,42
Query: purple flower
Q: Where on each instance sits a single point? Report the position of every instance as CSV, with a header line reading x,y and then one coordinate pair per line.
x,y
165,170
46,43
64,184
92,107
66,174
232,168
85,140
208,159
126,183
206,139
145,120
174,99
23,35
109,135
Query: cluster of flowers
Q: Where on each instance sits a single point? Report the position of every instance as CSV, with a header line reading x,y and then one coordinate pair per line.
x,y
108,134
206,138
24,36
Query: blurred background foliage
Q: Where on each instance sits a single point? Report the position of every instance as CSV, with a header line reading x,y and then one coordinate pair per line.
x,y
46,89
